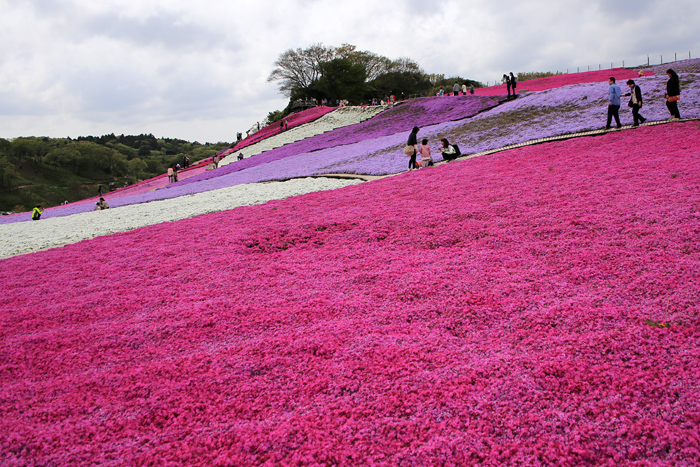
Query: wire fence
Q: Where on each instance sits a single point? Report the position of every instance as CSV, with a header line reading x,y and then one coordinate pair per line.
x,y
639,62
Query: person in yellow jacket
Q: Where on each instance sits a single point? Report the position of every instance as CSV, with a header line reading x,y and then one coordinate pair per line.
x,y
36,213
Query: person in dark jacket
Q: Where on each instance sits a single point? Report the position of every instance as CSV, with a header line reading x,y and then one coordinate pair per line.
x,y
506,80
635,101
513,82
673,94
413,141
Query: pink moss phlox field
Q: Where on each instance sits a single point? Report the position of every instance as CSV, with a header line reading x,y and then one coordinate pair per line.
x,y
293,120
557,81
505,310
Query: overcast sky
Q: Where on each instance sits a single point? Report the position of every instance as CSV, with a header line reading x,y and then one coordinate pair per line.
x,y
197,69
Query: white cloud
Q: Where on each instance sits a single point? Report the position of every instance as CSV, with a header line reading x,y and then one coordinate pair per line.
x,y
198,69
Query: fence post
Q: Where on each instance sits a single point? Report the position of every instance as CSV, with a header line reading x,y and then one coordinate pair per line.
x,y
647,60
662,59
675,56
623,64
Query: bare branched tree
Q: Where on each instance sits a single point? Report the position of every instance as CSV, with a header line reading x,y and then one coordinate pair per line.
x,y
298,68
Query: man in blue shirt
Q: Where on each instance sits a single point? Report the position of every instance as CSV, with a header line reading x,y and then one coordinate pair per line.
x,y
614,93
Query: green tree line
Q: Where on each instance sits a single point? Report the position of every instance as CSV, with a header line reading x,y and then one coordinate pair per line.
x,y
49,171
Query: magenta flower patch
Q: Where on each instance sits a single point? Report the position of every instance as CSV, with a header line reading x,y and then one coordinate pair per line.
x,y
494,311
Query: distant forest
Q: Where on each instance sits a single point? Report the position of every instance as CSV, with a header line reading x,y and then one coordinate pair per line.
x,y
49,171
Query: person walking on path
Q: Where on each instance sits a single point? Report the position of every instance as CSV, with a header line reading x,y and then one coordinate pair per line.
x,y
215,161
36,213
99,190
464,88
635,102
410,149
513,82
170,174
614,93
673,94
455,89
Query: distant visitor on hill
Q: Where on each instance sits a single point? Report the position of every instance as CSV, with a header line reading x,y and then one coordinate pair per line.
x,y
36,213
170,174
455,89
513,82
215,161
101,204
240,156
506,80
464,88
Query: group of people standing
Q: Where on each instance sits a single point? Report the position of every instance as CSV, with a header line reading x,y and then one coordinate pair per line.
x,y
672,96
414,151
456,88
510,82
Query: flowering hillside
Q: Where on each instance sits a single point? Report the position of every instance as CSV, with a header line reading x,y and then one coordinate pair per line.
x,y
682,66
557,81
24,237
293,121
343,116
399,119
374,146
560,111
536,306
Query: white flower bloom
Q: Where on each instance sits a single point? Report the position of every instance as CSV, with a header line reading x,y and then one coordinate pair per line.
x,y
344,116
26,237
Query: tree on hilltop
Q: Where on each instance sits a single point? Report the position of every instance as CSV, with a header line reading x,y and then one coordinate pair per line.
x,y
299,68
344,72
